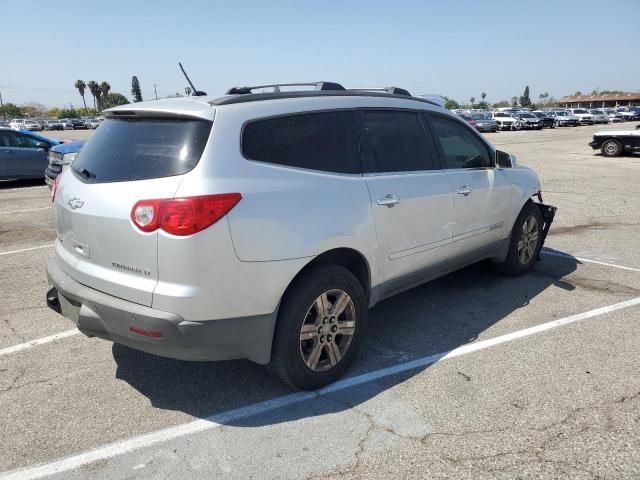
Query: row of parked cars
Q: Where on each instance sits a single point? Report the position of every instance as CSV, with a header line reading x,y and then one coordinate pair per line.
x,y
521,119
40,124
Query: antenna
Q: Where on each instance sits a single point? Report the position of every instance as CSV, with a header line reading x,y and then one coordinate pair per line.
x,y
196,92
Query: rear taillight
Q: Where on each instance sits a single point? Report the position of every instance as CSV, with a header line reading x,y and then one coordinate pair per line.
x,y
54,189
182,216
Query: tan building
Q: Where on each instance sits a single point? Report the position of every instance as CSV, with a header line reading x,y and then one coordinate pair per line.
x,y
600,100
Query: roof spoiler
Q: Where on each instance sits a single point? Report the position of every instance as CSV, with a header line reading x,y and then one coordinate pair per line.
x,y
276,87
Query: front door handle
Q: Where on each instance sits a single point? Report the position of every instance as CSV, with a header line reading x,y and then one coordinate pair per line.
x,y
464,190
389,200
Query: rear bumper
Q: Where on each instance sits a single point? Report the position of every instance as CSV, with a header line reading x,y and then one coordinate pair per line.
x,y
595,144
98,314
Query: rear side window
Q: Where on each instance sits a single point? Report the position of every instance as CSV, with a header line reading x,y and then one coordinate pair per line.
x,y
138,149
326,141
461,148
397,142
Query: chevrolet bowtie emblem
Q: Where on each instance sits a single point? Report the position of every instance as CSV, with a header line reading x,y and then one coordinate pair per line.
x,y
75,203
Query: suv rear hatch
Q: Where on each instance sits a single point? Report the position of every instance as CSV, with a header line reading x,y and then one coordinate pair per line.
x,y
127,159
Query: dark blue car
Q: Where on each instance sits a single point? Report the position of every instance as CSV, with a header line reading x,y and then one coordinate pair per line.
x,y
23,154
59,157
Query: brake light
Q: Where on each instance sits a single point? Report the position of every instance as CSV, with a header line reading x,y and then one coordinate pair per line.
x,y
182,216
54,189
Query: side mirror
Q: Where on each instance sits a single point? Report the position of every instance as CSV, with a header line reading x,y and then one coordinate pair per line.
x,y
504,160
43,145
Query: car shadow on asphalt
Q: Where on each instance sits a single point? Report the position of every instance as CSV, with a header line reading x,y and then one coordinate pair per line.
x,y
6,184
435,317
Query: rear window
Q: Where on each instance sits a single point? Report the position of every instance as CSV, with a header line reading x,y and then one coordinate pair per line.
x,y
325,141
141,148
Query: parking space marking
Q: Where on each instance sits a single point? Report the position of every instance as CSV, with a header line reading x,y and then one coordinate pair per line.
x,y
26,249
24,211
38,341
588,260
215,421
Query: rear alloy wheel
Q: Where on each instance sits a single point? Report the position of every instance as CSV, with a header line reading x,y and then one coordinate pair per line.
x,y
525,242
611,148
320,326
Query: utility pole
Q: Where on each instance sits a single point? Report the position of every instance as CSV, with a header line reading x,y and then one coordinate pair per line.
x,y
4,115
155,91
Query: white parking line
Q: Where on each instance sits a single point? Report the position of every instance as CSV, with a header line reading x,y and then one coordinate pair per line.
x,y
38,341
26,249
142,441
24,211
588,260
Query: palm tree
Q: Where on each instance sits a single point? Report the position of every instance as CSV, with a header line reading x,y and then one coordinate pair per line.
x,y
104,90
472,100
94,88
483,95
187,90
80,85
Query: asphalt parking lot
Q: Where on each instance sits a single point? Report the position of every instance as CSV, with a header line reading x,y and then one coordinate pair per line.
x,y
474,375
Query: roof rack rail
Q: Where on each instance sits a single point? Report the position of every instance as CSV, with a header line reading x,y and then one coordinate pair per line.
x,y
276,87
390,90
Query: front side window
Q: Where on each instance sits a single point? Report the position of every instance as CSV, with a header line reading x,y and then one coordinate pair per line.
x,y
397,142
24,141
460,147
325,141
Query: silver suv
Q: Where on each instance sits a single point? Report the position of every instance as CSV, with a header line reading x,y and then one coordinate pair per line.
x,y
265,225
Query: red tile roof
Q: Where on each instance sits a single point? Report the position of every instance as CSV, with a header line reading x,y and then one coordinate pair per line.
x,y
612,97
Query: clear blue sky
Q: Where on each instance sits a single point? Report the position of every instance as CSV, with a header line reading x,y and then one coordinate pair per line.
x,y
455,48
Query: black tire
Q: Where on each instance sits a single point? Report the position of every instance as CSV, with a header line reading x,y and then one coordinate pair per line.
x,y
287,360
514,265
611,148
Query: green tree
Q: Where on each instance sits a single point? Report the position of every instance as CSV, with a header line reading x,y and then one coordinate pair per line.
x,y
501,104
104,91
472,100
94,88
11,110
525,101
514,101
81,86
187,90
136,94
113,100
68,113
483,95
577,94
450,103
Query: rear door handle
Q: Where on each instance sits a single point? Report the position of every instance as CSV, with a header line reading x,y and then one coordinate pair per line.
x,y
464,190
390,199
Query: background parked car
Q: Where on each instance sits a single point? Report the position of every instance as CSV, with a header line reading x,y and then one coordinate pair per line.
x,y
564,118
481,121
584,117
60,157
626,114
92,123
53,124
614,116
528,120
23,154
77,124
599,116
547,121
505,121
16,123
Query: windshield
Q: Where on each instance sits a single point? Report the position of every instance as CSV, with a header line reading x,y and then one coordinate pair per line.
x,y
141,148
577,110
527,115
480,116
561,114
597,112
501,114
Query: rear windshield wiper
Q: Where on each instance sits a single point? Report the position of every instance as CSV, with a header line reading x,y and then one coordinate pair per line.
x,y
86,173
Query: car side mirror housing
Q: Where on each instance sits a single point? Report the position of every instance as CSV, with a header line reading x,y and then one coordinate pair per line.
x,y
42,145
505,160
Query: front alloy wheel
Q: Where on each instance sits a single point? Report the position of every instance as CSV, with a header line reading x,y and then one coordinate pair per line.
x,y
528,241
327,330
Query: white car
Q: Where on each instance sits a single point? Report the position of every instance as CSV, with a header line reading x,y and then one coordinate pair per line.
x,y
626,114
265,225
17,123
599,116
505,121
584,117
564,118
